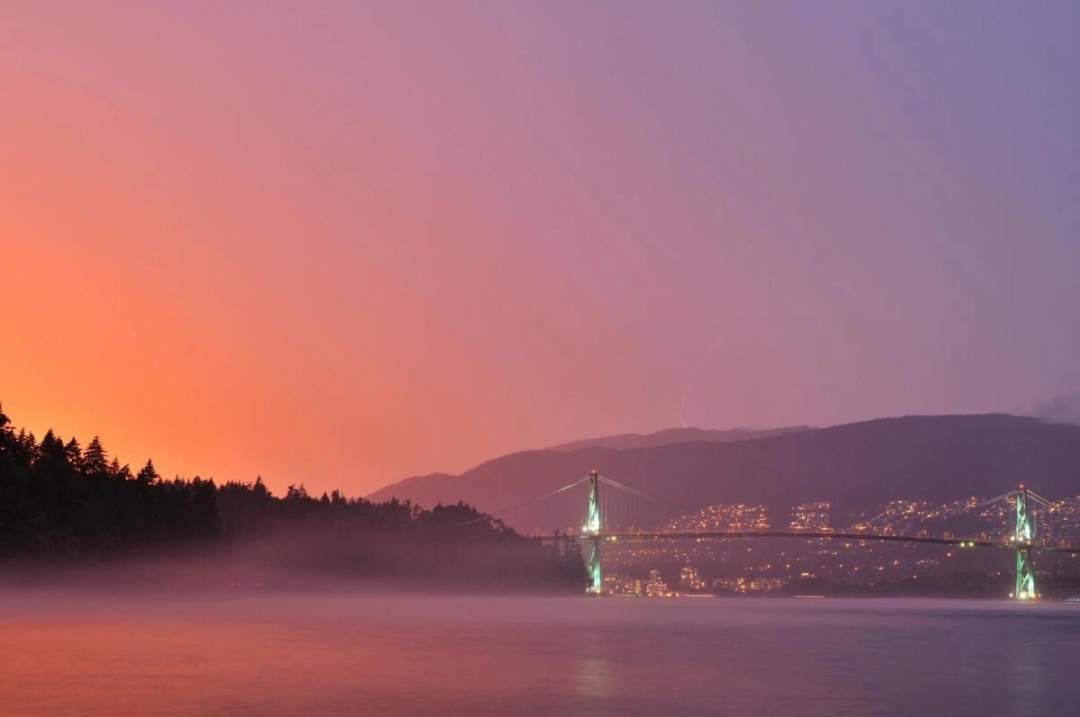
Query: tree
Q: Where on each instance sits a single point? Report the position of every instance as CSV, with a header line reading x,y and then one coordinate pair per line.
x,y
295,492
74,453
148,474
51,451
9,442
260,488
119,472
95,461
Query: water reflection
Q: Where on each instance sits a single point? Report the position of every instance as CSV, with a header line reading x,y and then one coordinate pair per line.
x,y
387,656
1025,674
593,673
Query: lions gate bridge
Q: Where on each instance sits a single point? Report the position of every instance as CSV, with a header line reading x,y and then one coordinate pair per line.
x,y
596,531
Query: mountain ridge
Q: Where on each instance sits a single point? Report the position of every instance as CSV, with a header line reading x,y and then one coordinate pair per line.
x,y
675,435
857,467
619,441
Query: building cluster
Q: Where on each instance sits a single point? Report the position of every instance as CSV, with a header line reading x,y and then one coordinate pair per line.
x,y
653,586
721,517
1060,522
811,517
743,585
690,579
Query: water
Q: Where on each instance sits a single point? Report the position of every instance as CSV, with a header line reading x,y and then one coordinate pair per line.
x,y
534,656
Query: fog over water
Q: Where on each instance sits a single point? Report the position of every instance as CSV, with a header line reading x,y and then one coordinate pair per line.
x,y
340,654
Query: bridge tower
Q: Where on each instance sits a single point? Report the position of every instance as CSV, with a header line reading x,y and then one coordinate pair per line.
x,y
1022,538
593,526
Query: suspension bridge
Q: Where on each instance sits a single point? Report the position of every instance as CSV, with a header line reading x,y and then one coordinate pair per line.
x,y
603,496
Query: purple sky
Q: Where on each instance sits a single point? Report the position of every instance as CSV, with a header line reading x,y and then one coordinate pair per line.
x,y
341,243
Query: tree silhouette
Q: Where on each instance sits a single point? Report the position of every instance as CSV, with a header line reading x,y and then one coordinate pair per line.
x,y
95,460
58,503
148,474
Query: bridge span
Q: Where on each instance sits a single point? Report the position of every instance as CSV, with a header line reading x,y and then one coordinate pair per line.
x,y
805,534
1022,539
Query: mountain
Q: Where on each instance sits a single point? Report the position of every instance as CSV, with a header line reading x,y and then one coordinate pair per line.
x,y
675,435
857,467
440,483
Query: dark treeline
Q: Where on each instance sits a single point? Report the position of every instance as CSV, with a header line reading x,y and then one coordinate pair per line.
x,y
62,503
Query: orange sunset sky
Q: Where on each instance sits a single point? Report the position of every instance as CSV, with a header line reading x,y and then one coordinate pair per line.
x,y
342,243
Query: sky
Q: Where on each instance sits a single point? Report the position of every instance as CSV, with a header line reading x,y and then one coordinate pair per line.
x,y
342,243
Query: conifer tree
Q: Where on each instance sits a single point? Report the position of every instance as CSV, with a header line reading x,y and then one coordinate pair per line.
x,y
74,453
95,460
148,474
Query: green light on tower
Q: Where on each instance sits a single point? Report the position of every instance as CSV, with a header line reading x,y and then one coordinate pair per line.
x,y
593,525
1022,537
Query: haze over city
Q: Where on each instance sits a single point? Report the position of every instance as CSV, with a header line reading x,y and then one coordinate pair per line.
x,y
344,243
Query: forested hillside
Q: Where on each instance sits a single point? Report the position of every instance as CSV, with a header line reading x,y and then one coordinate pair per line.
x,y
62,504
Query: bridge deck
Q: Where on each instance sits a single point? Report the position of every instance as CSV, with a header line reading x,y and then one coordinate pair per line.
x,y
659,535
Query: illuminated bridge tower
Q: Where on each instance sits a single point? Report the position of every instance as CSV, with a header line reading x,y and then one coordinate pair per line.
x,y
593,525
1022,538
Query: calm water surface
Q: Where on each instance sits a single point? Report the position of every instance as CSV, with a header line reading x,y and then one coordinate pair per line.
x,y
535,656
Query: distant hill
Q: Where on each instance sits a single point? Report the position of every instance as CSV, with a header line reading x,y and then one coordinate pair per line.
x,y
675,435
857,467
445,484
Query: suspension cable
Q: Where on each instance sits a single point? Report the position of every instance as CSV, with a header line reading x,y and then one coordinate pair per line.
x,y
488,516
628,489
1010,494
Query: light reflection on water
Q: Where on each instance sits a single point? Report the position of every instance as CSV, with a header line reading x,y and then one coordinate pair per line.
x,y
526,656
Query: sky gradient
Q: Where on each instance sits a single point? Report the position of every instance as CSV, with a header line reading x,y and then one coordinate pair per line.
x,y
342,243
